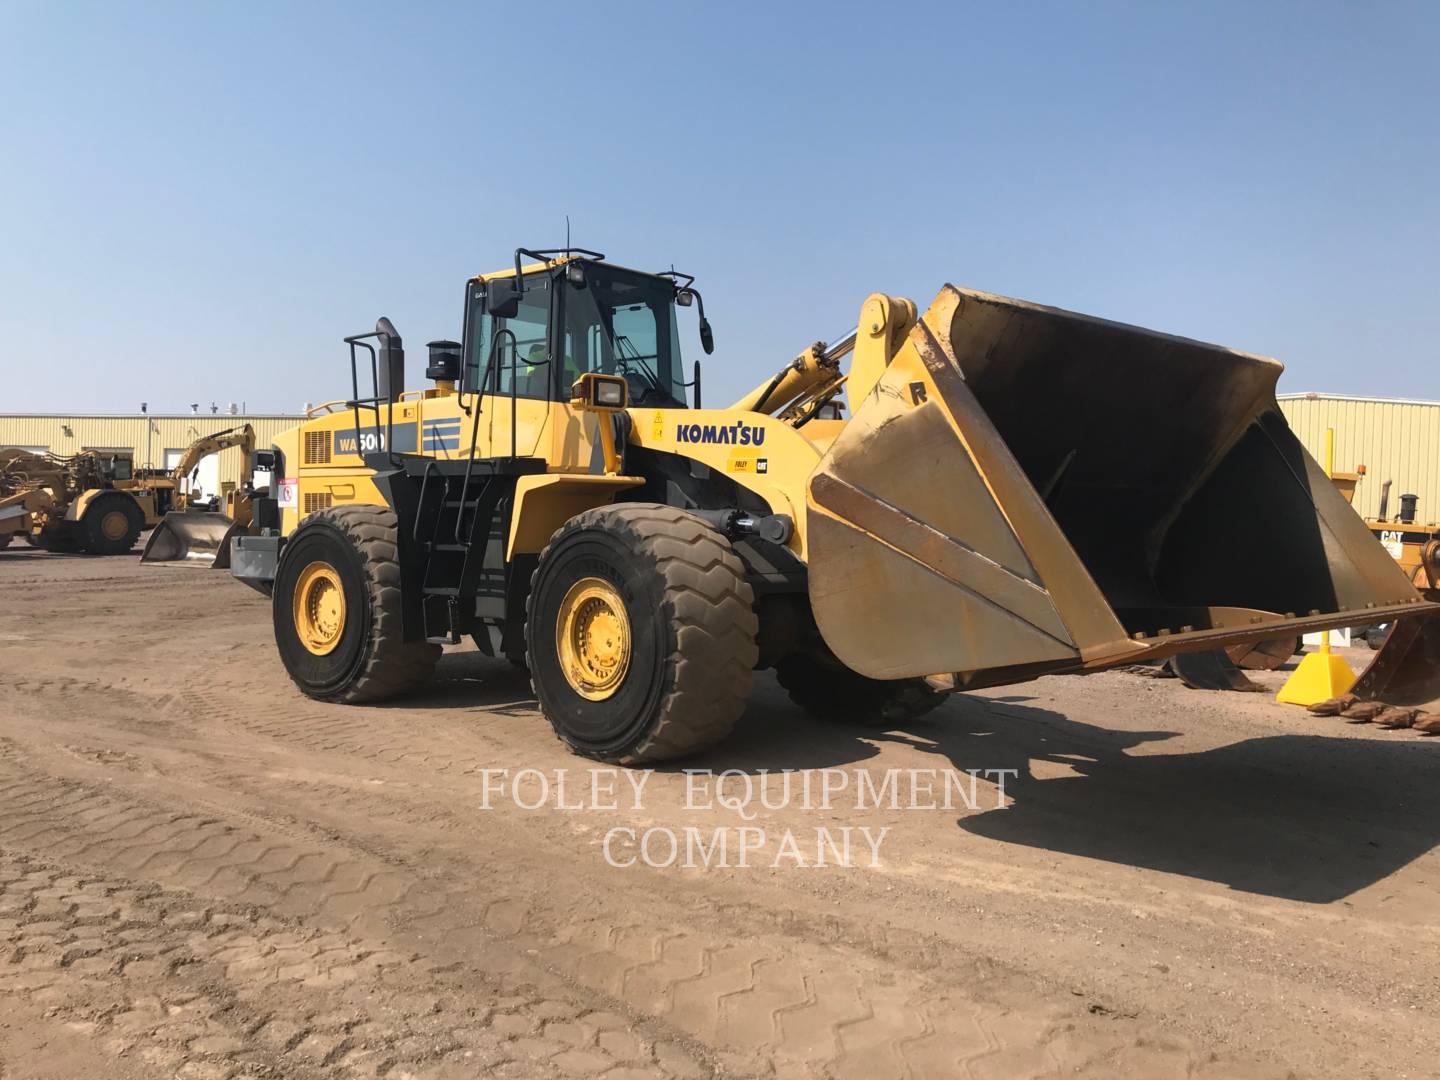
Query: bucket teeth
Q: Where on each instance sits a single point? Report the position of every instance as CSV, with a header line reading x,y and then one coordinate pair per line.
x,y
1427,723
1362,712
1396,718
1332,706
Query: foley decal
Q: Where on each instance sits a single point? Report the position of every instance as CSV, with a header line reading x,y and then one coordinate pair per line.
x,y
721,434
758,465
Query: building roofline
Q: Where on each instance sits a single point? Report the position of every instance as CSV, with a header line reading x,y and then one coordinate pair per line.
x,y
150,416
1314,396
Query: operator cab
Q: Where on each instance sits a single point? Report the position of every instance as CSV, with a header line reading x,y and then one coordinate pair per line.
x,y
532,333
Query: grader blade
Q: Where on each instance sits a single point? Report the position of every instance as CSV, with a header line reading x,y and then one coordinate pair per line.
x,y
1027,490
192,538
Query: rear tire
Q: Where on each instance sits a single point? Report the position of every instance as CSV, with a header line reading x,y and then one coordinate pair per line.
x,y
356,651
828,690
676,649
111,525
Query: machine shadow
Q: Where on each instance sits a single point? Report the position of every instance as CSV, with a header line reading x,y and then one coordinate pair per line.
x,y
32,555
1298,817
472,680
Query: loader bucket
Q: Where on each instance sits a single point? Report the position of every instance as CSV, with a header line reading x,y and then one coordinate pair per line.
x,y
1028,490
193,538
1406,670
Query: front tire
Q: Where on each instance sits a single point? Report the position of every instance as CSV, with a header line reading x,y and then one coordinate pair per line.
x,y
640,634
111,525
336,609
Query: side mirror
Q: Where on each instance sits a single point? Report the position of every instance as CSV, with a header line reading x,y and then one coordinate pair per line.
x,y
684,298
502,298
707,337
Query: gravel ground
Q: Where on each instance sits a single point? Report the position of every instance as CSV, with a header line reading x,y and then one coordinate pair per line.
x,y
203,874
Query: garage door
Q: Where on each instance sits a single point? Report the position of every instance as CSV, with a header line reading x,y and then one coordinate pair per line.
x,y
207,482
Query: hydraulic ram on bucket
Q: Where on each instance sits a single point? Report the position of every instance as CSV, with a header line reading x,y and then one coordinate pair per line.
x,y
1028,490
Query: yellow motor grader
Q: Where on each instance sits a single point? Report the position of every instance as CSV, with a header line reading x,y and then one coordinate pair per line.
x,y
977,495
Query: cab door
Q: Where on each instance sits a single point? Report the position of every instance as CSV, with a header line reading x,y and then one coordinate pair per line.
x,y
515,379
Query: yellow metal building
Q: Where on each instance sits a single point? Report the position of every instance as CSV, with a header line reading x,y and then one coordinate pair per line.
x,y
1395,439
152,440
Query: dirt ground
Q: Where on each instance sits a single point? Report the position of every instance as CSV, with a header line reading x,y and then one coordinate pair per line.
x,y
203,874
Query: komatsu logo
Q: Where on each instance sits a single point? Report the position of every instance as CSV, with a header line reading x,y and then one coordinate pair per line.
x,y
724,434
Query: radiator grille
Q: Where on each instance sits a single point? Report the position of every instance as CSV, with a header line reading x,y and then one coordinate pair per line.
x,y
317,500
317,448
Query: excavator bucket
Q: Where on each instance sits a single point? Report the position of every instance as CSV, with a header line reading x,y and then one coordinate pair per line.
x,y
1027,490
193,538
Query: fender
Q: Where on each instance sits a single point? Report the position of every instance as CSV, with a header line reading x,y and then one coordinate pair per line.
x,y
545,501
76,510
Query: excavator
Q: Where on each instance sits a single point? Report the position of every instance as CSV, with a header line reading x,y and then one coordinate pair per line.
x,y
196,533
974,494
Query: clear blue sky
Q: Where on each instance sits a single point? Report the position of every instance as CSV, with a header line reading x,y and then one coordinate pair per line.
x,y
197,201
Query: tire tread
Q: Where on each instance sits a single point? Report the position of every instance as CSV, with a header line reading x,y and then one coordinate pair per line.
x,y
393,666
709,606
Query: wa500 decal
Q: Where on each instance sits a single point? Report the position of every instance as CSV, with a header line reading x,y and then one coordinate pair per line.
x,y
372,440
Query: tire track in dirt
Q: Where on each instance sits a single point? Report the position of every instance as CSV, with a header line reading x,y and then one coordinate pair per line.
x,y
775,1001
151,979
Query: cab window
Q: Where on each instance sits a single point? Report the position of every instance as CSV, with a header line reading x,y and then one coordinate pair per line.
x,y
521,362
621,323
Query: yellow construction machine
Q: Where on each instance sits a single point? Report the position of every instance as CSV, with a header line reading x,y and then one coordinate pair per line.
x,y
200,533
98,503
80,503
978,495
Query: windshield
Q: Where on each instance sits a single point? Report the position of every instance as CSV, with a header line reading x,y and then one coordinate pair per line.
x,y
623,323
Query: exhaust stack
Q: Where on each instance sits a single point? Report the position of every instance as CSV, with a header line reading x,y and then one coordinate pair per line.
x,y
390,364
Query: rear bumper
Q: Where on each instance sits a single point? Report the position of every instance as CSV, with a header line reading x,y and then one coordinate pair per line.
x,y
254,559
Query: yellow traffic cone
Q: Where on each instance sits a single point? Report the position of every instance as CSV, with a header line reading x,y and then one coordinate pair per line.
x,y
1321,675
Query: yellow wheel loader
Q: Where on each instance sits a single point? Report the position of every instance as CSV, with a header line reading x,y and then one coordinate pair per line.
x,y
977,495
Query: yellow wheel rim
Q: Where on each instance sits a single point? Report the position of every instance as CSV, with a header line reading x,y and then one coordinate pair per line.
x,y
319,608
592,638
114,525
